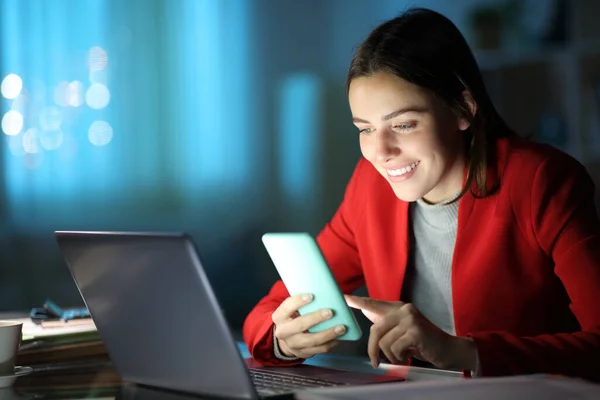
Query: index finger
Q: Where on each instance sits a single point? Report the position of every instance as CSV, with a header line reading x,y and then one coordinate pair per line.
x,y
378,331
289,306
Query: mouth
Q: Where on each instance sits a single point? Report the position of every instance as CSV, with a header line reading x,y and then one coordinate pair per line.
x,y
401,174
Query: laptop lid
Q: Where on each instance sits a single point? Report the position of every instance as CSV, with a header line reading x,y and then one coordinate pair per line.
x,y
156,312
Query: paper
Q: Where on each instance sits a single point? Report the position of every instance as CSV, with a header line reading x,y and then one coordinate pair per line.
x,y
32,330
533,387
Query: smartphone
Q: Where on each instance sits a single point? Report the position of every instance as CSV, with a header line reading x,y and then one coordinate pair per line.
x,y
303,269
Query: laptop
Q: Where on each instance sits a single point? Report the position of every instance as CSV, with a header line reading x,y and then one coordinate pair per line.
x,y
162,325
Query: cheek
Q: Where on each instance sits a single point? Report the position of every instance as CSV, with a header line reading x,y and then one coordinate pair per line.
x,y
366,148
436,142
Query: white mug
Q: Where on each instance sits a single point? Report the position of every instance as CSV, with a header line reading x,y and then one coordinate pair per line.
x,y
10,337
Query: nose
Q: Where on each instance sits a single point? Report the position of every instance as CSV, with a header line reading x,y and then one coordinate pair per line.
x,y
386,146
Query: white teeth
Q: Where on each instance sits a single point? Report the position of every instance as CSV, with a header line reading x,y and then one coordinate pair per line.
x,y
402,171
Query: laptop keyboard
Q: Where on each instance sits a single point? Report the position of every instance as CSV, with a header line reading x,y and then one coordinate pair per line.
x,y
274,382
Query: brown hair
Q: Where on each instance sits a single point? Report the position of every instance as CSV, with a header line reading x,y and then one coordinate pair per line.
x,y
425,48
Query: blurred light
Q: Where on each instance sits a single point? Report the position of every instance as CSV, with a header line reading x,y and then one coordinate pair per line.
x,y
100,133
31,141
97,58
98,76
60,94
52,139
12,122
75,94
15,145
19,104
50,118
97,96
33,160
299,123
11,86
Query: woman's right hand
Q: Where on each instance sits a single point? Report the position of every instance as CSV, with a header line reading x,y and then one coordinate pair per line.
x,y
291,329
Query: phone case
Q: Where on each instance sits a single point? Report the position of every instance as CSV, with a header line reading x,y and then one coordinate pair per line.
x,y
303,269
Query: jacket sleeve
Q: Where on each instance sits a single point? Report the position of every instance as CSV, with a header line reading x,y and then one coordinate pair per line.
x,y
565,222
337,244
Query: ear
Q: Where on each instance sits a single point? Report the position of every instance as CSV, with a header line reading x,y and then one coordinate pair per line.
x,y
463,123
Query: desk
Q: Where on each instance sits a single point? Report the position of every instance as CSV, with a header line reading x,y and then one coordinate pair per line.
x,y
101,381
103,384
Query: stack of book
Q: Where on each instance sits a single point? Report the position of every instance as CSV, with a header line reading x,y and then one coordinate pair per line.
x,y
57,341
58,350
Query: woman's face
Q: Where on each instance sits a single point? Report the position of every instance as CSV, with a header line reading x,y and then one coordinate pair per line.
x,y
411,138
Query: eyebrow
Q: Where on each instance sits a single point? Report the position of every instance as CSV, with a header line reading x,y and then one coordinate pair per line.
x,y
393,114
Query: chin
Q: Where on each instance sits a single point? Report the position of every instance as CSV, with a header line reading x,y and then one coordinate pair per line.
x,y
407,195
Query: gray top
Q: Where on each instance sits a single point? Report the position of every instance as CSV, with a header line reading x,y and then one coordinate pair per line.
x,y
428,281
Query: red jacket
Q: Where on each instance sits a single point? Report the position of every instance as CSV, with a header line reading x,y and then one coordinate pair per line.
x,y
525,269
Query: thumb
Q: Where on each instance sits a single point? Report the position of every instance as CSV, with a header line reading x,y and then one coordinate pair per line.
x,y
373,309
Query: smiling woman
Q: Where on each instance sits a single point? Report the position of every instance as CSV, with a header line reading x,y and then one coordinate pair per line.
x,y
421,143
479,249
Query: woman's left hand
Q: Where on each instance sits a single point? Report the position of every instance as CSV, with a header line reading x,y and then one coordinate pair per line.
x,y
401,331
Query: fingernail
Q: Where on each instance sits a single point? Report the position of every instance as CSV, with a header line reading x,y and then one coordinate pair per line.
x,y
339,329
326,313
307,297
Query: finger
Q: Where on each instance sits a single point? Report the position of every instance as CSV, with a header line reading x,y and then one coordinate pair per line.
x,y
371,316
321,349
378,331
373,348
303,323
306,340
289,306
386,342
402,348
372,308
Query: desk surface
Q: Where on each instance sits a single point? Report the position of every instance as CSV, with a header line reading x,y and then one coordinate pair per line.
x,y
102,382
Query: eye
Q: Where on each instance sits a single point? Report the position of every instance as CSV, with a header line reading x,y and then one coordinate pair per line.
x,y
404,127
366,131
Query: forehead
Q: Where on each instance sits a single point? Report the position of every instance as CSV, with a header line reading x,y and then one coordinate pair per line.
x,y
382,93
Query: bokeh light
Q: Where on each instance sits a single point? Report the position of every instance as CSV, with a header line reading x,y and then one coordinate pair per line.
x,y
60,94
97,58
74,95
12,122
50,118
11,86
51,139
100,133
97,96
31,141
98,76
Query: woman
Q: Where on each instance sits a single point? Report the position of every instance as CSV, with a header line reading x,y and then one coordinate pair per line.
x,y
480,251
